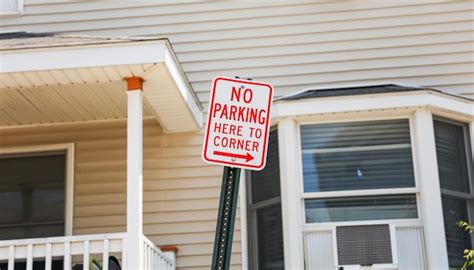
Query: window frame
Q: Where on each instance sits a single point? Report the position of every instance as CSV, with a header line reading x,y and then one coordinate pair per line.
x,y
18,12
69,177
364,192
249,211
469,151
331,226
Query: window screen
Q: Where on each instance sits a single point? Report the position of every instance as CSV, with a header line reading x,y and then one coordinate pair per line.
x,y
453,156
457,240
364,245
264,215
270,237
266,183
357,155
32,196
361,208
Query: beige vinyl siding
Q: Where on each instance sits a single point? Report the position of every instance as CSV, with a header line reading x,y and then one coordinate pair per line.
x,y
294,46
181,193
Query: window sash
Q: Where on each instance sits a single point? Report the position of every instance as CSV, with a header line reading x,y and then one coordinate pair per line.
x,y
407,209
398,125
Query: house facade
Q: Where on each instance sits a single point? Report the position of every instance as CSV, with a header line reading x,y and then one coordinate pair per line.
x,y
101,128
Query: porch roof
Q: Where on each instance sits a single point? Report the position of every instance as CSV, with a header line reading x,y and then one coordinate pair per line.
x,y
48,79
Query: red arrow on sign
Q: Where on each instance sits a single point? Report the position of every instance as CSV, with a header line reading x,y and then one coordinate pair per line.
x,y
248,157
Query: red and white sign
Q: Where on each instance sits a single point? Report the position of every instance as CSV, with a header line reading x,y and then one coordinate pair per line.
x,y
238,123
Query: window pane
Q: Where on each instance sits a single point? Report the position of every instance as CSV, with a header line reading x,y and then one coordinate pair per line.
x,y
364,245
32,195
359,155
361,208
266,183
457,240
270,238
451,155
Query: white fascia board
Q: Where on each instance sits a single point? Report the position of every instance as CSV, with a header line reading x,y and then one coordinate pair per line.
x,y
55,58
184,87
423,98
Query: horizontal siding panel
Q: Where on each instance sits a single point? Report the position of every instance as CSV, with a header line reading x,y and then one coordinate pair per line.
x,y
183,227
305,46
361,75
192,238
194,262
121,7
329,57
376,64
182,205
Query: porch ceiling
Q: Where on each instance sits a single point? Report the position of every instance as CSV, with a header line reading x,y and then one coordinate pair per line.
x,y
84,82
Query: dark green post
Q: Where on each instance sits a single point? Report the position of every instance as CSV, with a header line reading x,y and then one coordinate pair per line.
x,y
226,219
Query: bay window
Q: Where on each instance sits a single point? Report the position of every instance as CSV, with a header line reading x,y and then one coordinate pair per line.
x,y
383,191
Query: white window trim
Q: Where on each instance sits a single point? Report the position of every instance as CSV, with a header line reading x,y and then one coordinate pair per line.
x,y
392,223
69,185
19,10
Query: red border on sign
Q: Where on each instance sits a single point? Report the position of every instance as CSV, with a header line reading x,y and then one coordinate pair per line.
x,y
209,117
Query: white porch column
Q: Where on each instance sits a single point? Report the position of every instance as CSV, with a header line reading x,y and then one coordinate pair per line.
x,y
430,193
290,183
134,247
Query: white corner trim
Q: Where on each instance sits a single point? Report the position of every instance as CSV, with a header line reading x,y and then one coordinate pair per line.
x,y
184,87
69,185
291,204
65,57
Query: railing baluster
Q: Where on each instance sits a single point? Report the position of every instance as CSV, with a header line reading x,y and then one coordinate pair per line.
x,y
67,255
29,257
11,258
105,255
47,263
86,255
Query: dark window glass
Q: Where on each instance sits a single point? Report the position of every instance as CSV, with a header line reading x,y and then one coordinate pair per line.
x,y
357,155
364,245
360,208
270,238
32,196
264,217
457,240
451,155
266,183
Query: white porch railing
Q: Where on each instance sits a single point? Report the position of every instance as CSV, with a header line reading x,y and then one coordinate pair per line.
x,y
154,258
79,249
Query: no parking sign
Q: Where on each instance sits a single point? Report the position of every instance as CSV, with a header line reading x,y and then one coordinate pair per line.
x,y
238,123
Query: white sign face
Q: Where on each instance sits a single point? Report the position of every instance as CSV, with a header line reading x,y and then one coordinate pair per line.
x,y
238,123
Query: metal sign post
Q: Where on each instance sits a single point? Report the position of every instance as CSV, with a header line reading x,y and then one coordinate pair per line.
x,y
236,137
226,219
